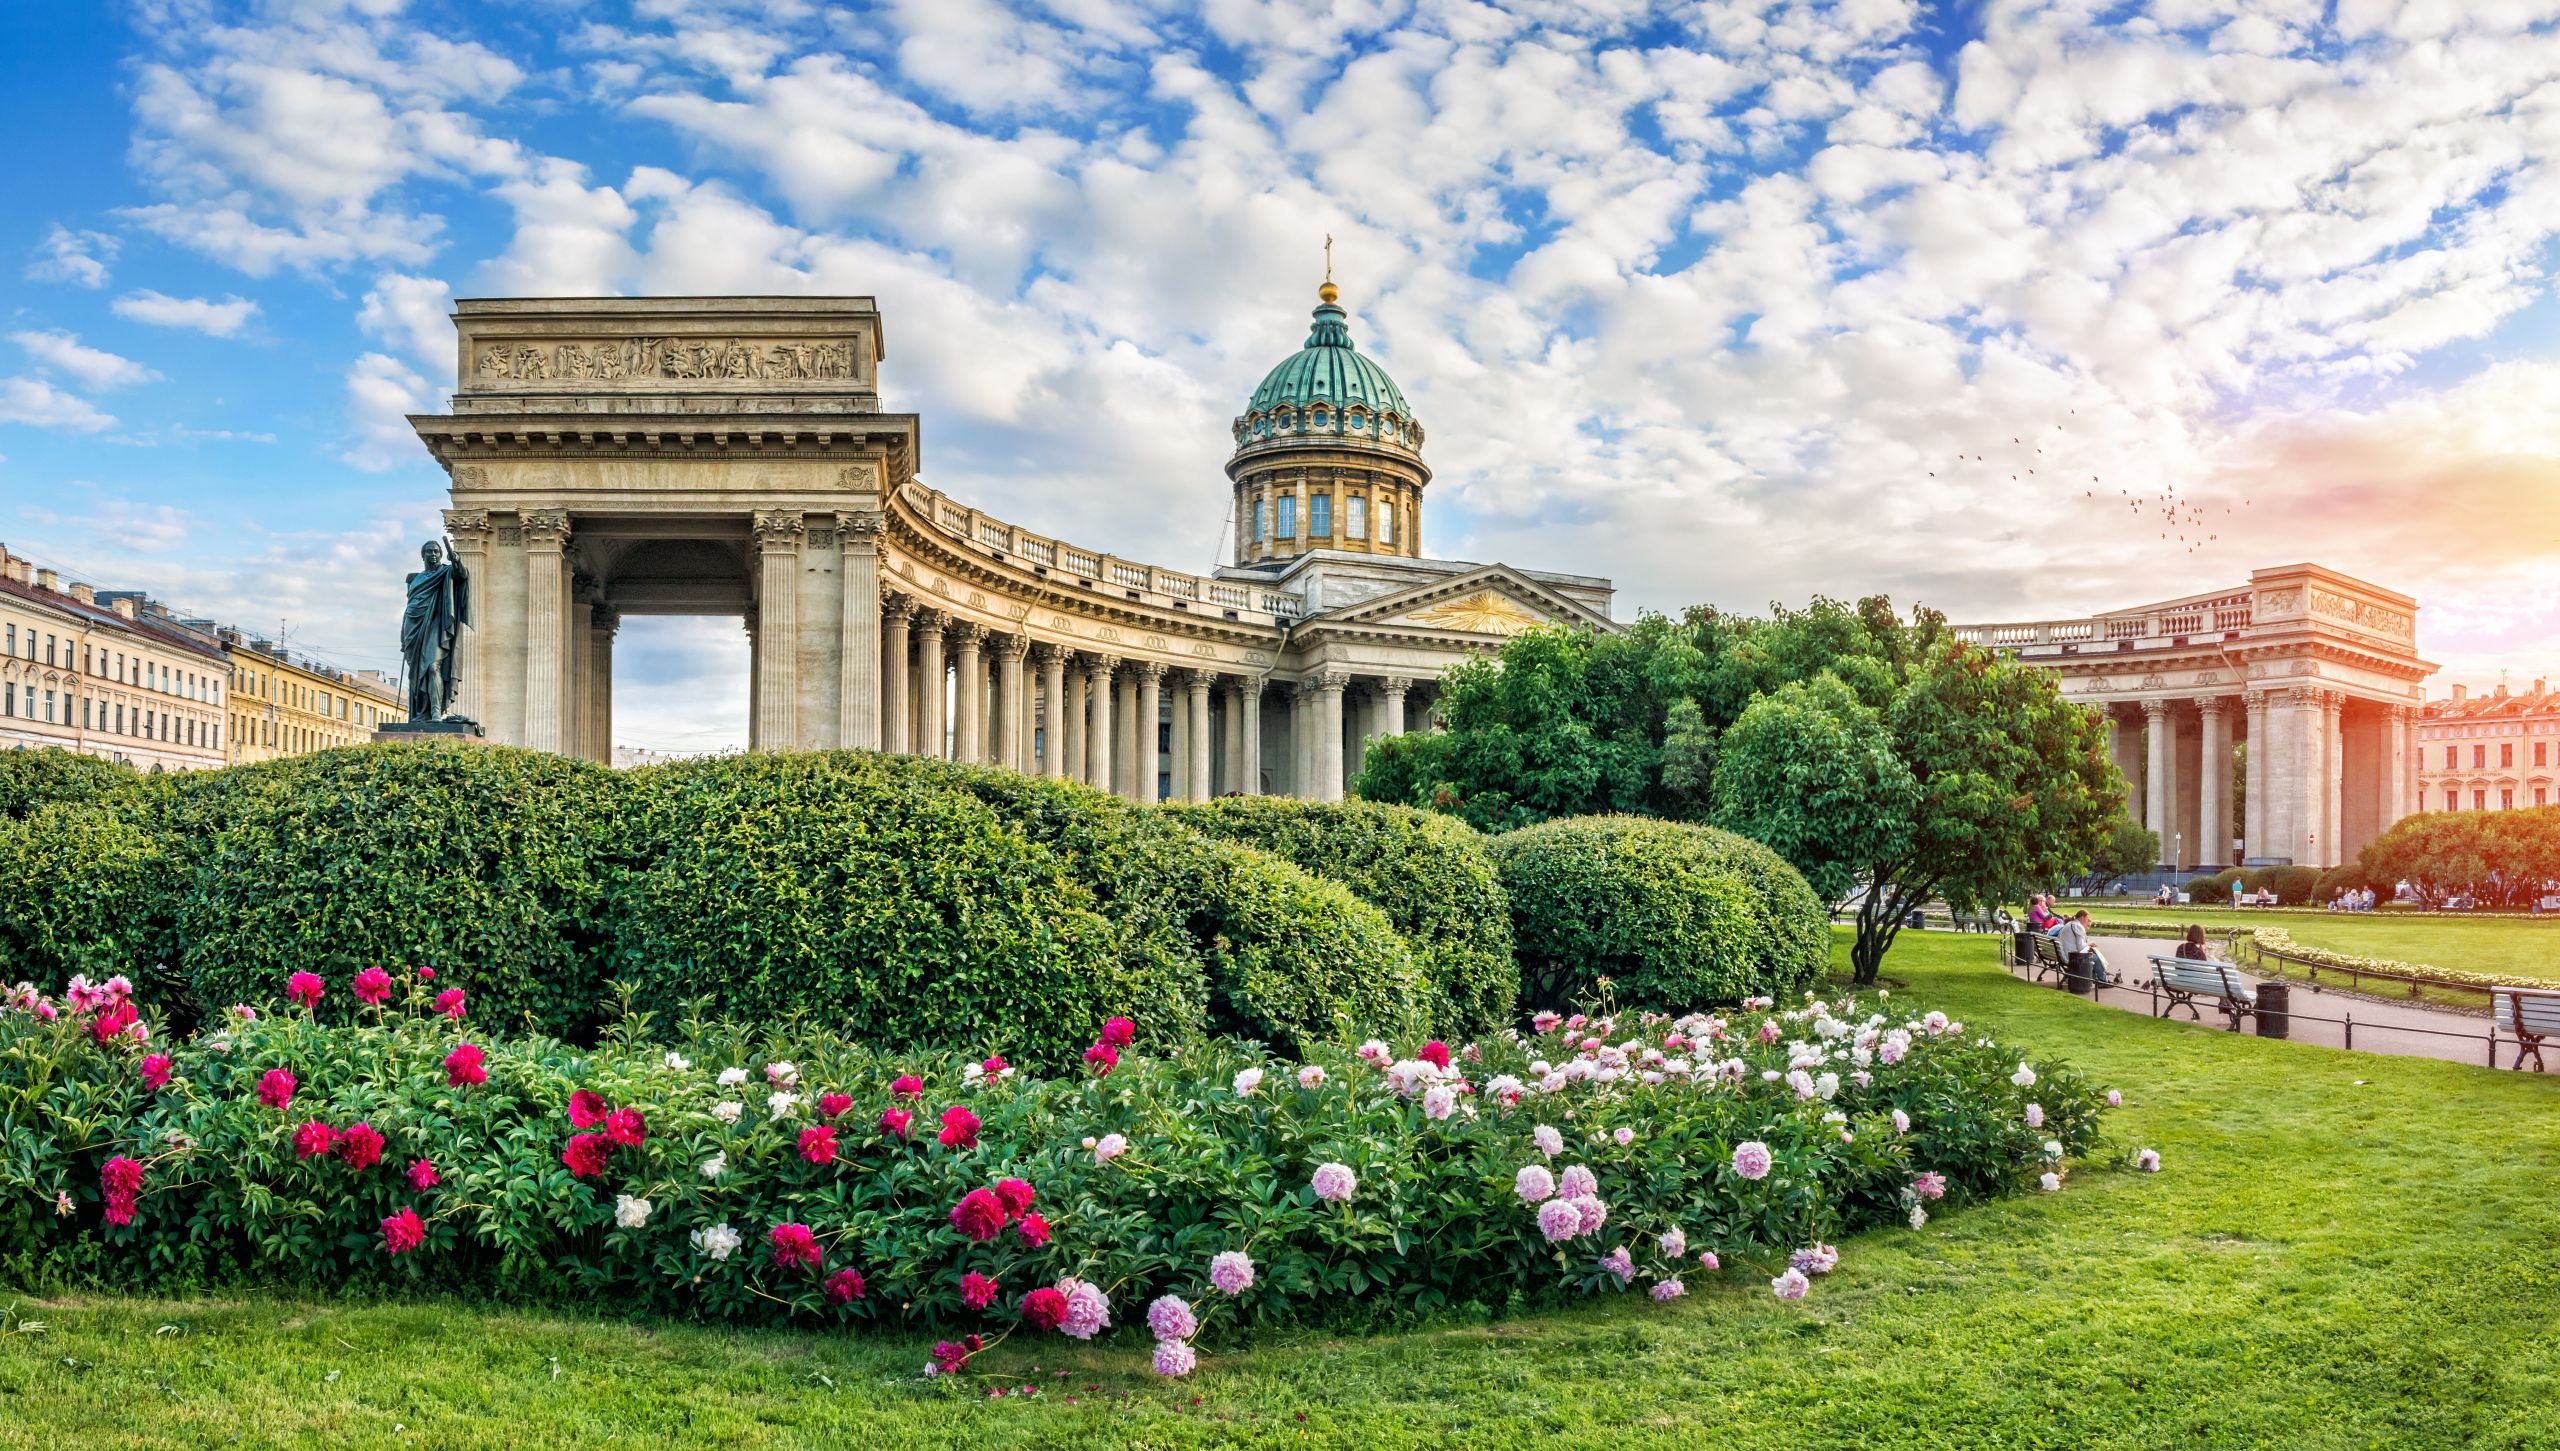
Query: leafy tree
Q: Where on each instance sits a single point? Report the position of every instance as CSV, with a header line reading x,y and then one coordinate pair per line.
x,y
1811,772
2130,847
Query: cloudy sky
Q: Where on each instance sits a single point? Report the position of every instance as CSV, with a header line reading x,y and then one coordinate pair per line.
x,y
1732,300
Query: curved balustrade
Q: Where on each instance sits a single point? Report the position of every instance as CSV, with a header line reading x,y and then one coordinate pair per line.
x,y
970,526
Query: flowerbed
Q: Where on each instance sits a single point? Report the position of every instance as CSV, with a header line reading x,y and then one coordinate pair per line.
x,y
821,1183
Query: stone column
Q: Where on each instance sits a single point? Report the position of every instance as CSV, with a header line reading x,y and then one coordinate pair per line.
x,y
1329,688
1302,740
1196,693
858,688
931,740
2161,814
577,694
1228,771
2213,782
2124,743
1247,776
2254,818
608,622
1072,706
1009,701
546,588
777,546
1394,689
2399,750
470,533
897,672
1177,757
1148,741
1098,740
968,694
1053,716
2333,773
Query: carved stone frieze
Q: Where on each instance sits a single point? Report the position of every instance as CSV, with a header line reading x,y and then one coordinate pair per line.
x,y
2363,614
730,360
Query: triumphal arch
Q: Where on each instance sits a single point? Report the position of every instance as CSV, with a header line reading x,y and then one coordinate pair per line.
x,y
730,456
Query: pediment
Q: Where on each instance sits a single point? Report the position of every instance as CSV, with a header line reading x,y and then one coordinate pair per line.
x,y
1493,602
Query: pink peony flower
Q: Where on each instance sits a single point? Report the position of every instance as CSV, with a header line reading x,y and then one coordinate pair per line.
x,y
977,1291
1247,1081
895,1123
948,1359
1333,1182
1624,1136
1170,1318
1549,1141
1033,1231
156,1069
2114,1099
1109,1147
1620,1263
1751,1159
834,1105
1232,1272
1577,1181
818,1144
907,1086
1311,1076
373,985
1175,1358
1707,1260
1901,1122
115,1021
846,1286
1594,1213
586,1109
305,988
426,974
1088,1312
1016,1195
462,1069
1931,1185
403,1231
313,1139
794,1247
1044,1309
422,1175
625,1127
2148,1161
1665,1291
1119,1032
959,1128
1102,1057
1533,1183
449,1003
1674,1243
359,1146
1439,1102
995,1065
275,1088
586,1155
1558,1220
1435,1053
979,1215
1546,1022
121,1179
1791,1285
2035,1115
1815,1259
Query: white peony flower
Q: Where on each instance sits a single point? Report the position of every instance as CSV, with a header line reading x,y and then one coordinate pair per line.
x,y
781,1103
719,1241
732,1077
728,1110
678,1061
1247,1081
629,1212
715,1166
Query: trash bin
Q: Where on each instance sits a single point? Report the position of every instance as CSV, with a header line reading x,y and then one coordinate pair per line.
x,y
1914,918
2022,948
2275,1009
2080,973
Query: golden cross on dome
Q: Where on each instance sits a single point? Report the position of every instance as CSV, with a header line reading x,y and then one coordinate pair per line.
x,y
1328,292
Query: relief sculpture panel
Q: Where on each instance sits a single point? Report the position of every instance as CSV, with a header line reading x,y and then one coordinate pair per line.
x,y
680,359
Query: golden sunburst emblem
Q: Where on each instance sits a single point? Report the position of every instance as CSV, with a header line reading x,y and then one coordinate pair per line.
x,y
1481,613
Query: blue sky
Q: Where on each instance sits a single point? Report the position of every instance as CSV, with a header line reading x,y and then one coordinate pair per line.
x,y
1734,301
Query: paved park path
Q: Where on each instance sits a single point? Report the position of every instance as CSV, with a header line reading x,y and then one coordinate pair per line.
x,y
2319,1016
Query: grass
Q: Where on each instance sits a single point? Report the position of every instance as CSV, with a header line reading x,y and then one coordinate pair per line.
x,y
2521,946
2343,1251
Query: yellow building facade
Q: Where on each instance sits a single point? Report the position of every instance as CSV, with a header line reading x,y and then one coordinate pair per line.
x,y
282,704
108,675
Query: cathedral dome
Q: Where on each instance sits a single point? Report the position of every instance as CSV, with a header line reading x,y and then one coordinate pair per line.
x,y
1328,389
1328,455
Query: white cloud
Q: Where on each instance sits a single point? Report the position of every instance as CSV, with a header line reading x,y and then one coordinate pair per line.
x,y
382,392
220,319
39,404
412,313
96,368
79,258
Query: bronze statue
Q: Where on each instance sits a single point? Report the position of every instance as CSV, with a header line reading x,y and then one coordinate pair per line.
x,y
439,608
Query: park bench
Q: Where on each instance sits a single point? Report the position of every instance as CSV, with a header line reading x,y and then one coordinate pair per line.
x,y
2049,961
2184,980
2532,1014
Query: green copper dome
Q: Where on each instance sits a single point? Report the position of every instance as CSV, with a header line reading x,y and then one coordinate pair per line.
x,y
1329,370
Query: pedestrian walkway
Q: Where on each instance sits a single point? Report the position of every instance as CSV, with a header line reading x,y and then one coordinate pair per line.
x,y
2332,1020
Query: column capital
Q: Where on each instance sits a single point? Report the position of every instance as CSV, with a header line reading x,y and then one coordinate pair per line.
x,y
1330,682
1192,677
858,530
608,619
964,633
1007,647
2333,701
1146,670
895,606
545,529
1249,686
1395,684
779,529
2402,714
1098,664
469,527
2211,706
1044,654
2153,710
930,622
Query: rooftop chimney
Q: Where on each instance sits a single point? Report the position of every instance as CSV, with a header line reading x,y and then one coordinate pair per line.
x,y
83,593
17,570
124,607
2502,690
2461,693
48,581
2541,685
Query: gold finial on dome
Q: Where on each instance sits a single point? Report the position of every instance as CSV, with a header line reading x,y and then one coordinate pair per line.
x,y
1328,292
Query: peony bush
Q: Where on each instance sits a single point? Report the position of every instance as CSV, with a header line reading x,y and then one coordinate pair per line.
x,y
820,1182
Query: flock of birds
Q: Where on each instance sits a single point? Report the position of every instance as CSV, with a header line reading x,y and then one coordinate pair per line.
x,y
2190,523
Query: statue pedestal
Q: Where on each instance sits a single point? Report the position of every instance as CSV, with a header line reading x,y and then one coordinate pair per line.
x,y
428,732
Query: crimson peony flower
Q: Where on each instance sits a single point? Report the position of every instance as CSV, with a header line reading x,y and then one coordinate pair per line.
x,y
111,1024
1435,1053
586,1109
894,1122
833,1105
949,1359
449,1003
977,1291
360,1146
995,1064
979,1215
625,1127
845,1286
305,988
1044,1309
1119,1032
818,1144
462,1067
403,1232
959,1128
373,985
586,1155
1034,1231
1016,1196
275,1088
422,1175
908,1086
1103,1057
155,1071
121,1178
313,1139
794,1247
426,974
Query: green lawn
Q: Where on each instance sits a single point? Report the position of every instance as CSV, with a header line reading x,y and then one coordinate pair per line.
x,y
2520,946
2343,1251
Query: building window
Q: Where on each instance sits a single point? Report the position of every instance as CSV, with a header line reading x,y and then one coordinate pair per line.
x,y
1320,517
2479,758
2507,799
2507,754
1288,516
1355,517
2452,757
2542,753
2452,802
1386,521
2541,795
2479,800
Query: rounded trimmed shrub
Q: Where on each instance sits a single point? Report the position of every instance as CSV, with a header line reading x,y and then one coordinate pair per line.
x,y
1675,916
2293,886
2201,890
33,780
481,862
1430,874
84,889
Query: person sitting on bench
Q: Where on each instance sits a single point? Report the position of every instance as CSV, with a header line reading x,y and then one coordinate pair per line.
x,y
2073,937
2193,949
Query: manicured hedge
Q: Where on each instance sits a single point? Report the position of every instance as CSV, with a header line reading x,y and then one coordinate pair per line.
x,y
83,889
2293,886
1430,874
32,780
1675,916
